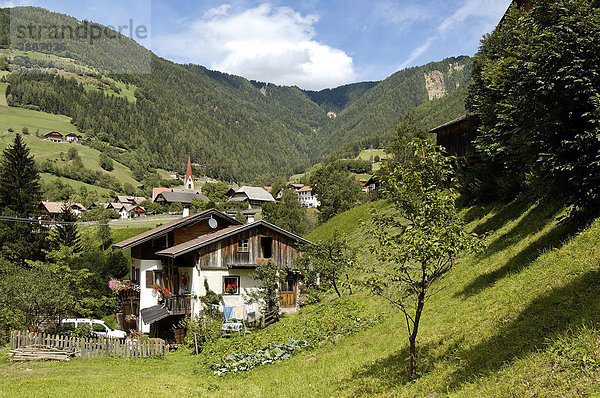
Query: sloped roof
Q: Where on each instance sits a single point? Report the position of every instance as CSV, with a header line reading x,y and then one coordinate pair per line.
x,y
170,226
154,313
56,207
156,191
256,193
305,189
181,197
129,199
207,239
452,122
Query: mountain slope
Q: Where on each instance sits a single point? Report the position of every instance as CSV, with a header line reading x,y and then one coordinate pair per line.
x,y
337,99
237,129
378,110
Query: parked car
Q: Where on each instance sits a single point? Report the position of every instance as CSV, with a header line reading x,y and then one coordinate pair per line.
x,y
99,328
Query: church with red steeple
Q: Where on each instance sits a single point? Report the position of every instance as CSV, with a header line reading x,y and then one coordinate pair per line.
x,y
189,177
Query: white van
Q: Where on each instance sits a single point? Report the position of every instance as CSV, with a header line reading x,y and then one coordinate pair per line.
x,y
99,328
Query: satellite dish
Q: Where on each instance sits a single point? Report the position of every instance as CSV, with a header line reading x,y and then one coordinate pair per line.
x,y
212,223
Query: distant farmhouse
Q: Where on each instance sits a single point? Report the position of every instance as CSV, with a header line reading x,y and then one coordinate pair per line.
x,y
54,136
132,200
166,198
371,185
306,194
57,137
52,210
127,210
72,137
251,197
127,206
308,197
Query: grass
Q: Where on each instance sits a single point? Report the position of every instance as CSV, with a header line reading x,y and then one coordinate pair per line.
x,y
43,150
17,118
346,223
521,319
3,87
366,155
45,177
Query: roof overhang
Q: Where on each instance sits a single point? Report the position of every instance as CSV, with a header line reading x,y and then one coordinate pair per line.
x,y
172,252
165,229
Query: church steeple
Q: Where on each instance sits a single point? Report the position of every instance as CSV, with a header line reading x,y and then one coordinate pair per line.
x,y
189,177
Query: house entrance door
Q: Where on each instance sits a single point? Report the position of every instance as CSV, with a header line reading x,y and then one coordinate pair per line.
x,y
288,292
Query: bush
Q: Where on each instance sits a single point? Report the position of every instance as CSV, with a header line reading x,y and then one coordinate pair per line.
x,y
106,163
83,330
201,331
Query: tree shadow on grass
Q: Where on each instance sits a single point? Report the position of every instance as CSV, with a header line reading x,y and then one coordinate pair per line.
x,y
529,225
547,317
392,372
503,214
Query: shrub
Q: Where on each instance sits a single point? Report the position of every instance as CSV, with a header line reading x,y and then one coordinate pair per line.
x,y
83,330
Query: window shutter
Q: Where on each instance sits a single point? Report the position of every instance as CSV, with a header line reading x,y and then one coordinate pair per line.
x,y
149,279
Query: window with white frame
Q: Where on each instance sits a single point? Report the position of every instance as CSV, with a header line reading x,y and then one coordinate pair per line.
x,y
243,246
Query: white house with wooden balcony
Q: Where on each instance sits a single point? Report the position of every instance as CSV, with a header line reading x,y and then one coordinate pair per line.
x,y
209,246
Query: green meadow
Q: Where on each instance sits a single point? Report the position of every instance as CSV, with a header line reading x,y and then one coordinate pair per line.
x,y
521,319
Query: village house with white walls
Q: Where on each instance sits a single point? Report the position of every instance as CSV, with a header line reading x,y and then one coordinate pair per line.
x,y
209,246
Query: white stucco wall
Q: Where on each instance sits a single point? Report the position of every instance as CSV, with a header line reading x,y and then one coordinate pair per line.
x,y
215,283
148,296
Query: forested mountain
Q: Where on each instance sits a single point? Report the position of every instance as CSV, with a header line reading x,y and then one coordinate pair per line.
x,y
378,110
337,99
235,128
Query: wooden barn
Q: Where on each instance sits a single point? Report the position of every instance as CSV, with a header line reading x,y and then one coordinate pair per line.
x,y
457,138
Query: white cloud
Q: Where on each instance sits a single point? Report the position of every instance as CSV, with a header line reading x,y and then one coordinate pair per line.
x,y
264,43
482,13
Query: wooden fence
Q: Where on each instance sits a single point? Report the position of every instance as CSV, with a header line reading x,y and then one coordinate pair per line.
x,y
100,347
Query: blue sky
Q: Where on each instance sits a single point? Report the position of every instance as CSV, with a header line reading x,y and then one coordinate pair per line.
x,y
312,43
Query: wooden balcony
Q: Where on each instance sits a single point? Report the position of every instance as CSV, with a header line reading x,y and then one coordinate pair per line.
x,y
129,295
180,305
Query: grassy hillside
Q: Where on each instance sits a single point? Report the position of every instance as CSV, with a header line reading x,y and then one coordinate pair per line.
x,y
518,320
46,178
43,150
17,118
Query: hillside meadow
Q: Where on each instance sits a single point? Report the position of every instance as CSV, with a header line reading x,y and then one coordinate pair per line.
x,y
520,319
42,150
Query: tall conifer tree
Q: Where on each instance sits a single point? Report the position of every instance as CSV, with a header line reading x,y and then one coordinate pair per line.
x,y
19,180
67,234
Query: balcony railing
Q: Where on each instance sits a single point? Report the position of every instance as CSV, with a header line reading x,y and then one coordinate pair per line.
x,y
180,305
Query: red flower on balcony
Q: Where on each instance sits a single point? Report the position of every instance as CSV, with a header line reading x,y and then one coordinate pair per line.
x,y
164,291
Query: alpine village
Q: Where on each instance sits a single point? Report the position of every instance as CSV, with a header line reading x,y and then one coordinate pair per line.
x,y
173,230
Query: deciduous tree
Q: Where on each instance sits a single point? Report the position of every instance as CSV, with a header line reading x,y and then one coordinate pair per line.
x,y
417,243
